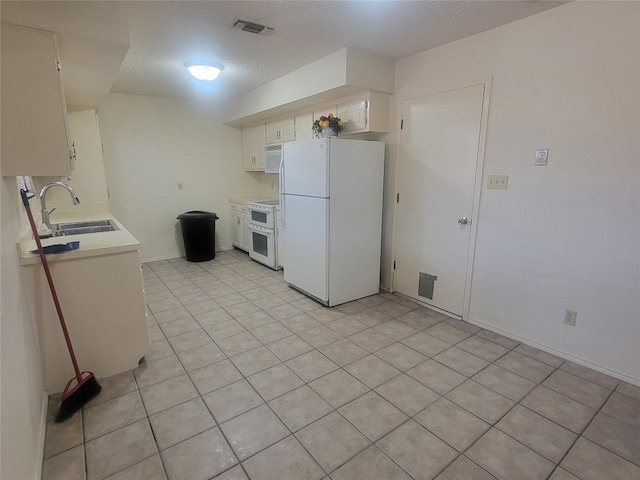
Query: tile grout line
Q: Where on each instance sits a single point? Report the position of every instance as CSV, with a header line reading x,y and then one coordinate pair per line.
x,y
340,367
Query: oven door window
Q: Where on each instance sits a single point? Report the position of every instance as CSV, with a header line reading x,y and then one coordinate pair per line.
x,y
260,243
259,217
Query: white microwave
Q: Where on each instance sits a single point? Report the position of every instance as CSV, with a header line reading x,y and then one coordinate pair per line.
x,y
272,158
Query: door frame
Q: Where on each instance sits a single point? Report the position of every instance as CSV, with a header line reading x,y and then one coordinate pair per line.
x,y
477,187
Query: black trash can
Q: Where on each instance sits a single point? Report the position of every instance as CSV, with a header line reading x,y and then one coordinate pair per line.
x,y
198,233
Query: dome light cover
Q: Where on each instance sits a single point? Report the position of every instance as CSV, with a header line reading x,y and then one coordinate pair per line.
x,y
204,71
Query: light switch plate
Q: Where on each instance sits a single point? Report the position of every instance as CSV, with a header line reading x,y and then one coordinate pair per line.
x,y
498,182
542,155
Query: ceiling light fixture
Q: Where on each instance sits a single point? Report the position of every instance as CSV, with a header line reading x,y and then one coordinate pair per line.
x,y
204,71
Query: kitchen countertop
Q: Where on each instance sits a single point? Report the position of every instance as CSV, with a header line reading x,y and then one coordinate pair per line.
x,y
91,244
244,198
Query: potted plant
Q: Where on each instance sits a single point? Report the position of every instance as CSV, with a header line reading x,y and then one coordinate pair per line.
x,y
328,126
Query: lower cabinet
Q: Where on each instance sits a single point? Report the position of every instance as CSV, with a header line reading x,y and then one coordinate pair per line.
x,y
246,234
239,226
103,303
236,228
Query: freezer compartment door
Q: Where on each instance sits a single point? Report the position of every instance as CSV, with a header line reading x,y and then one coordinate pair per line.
x,y
306,248
306,169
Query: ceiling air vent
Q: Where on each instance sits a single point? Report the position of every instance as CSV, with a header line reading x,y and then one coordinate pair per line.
x,y
253,28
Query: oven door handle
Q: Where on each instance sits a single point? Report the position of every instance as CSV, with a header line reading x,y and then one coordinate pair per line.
x,y
259,228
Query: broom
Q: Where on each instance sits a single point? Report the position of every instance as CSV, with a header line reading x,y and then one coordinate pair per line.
x,y
84,386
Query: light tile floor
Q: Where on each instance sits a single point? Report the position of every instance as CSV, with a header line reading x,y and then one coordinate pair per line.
x,y
249,379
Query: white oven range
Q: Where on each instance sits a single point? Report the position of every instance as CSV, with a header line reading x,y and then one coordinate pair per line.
x,y
261,219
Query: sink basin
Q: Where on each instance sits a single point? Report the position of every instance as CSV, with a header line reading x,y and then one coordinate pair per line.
x,y
79,228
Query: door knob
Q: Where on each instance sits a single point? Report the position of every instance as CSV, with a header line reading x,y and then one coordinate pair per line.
x,y
463,220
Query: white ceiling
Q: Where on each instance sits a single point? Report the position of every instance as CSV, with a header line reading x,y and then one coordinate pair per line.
x,y
163,35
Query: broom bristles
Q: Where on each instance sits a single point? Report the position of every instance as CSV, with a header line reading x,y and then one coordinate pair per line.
x,y
83,393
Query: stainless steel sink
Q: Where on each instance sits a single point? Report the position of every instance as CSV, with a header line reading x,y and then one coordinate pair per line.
x,y
80,228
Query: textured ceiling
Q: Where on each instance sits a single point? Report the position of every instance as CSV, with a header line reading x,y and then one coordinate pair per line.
x,y
165,34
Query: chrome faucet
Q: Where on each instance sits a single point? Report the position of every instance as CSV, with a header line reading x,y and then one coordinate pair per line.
x,y
44,212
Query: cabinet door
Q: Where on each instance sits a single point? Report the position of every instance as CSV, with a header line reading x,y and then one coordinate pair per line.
x,y
34,125
246,240
236,232
253,140
272,133
88,179
354,115
260,144
324,112
248,147
113,337
280,131
303,126
287,130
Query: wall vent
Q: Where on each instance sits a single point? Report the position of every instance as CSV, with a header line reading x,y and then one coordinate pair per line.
x,y
252,27
425,285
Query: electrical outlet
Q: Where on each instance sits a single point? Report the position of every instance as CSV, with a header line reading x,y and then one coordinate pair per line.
x,y
498,182
570,317
180,186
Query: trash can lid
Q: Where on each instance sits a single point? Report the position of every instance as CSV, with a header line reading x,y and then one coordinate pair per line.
x,y
198,214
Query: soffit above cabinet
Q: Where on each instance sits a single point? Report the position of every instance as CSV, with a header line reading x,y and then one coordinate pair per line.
x,y
93,40
342,73
89,68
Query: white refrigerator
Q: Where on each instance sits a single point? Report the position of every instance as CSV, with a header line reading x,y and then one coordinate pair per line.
x,y
331,198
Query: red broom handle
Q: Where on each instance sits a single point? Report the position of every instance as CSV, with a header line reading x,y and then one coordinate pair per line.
x,y
45,264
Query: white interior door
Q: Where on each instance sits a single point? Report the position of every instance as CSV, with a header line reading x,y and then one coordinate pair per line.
x,y
439,154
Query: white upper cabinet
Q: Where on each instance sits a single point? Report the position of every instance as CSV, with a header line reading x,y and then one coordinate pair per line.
x,y
354,115
34,124
304,122
253,139
281,131
88,179
366,113
324,112
361,113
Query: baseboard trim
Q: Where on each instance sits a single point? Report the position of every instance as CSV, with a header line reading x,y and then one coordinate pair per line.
x,y
559,353
172,257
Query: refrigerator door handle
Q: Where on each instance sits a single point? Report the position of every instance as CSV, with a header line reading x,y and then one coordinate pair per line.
x,y
281,189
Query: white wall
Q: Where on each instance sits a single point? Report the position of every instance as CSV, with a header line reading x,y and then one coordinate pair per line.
x,y
22,400
152,144
566,235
